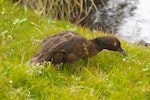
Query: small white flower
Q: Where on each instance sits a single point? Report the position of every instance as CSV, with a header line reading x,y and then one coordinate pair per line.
x,y
124,59
40,72
3,12
10,81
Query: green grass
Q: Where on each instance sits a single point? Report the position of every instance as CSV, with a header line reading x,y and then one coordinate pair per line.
x,y
106,76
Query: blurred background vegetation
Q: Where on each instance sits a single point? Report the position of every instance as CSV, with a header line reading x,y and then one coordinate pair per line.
x,y
76,11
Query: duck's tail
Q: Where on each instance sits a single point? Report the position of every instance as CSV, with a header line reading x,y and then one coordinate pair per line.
x,y
37,59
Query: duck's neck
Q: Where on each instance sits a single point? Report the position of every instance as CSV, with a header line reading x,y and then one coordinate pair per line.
x,y
93,48
98,46
101,42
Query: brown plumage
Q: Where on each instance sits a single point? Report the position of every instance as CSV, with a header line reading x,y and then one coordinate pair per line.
x,y
68,46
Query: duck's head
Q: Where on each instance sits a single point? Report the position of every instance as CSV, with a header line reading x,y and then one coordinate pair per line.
x,y
110,43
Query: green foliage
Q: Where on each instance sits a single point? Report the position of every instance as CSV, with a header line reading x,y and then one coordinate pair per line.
x,y
107,75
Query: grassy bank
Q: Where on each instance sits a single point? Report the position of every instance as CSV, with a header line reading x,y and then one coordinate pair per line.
x,y
106,76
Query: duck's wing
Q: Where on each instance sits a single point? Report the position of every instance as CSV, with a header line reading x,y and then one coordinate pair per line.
x,y
55,43
68,51
68,45
56,40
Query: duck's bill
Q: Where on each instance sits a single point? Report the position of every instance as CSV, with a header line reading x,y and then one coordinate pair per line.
x,y
123,52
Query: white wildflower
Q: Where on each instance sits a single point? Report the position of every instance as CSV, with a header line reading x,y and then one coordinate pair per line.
x,y
124,59
40,72
10,81
3,12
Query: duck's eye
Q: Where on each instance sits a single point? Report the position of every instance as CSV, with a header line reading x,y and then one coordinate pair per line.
x,y
115,44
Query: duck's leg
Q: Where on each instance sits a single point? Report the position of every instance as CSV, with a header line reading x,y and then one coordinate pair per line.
x,y
58,59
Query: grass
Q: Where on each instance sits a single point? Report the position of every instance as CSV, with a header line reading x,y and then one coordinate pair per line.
x,y
106,76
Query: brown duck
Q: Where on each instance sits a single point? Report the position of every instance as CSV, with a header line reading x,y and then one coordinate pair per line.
x,y
68,46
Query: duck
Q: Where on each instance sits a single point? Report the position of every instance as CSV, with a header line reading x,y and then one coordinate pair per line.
x,y
143,43
68,47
